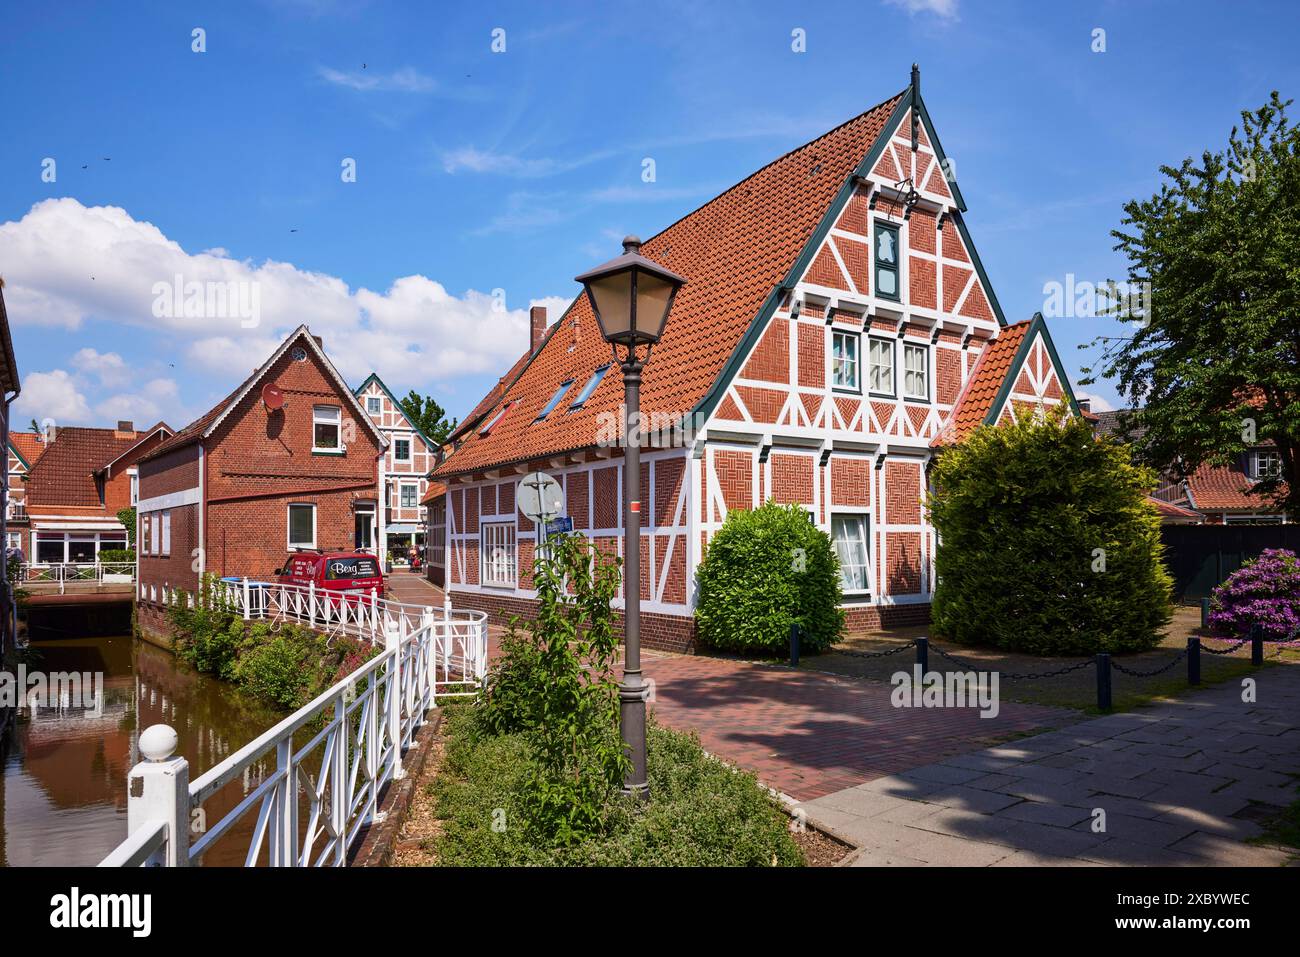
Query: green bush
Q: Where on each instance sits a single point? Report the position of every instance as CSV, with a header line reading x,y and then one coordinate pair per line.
x,y
1047,544
107,555
763,570
701,813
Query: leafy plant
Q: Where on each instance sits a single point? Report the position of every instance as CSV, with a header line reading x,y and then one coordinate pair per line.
x,y
1047,544
127,517
764,570
1265,591
428,416
116,555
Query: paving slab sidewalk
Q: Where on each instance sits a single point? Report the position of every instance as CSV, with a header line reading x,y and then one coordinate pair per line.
x,y
1181,783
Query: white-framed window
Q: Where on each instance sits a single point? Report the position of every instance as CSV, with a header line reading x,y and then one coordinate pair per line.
x,y
374,404
849,532
844,362
142,532
589,388
554,400
887,259
497,547
410,495
401,450
880,365
326,424
1265,464
135,486
155,529
166,535
301,519
916,371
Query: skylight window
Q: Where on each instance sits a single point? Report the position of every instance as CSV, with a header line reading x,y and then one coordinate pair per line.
x,y
555,400
496,418
590,387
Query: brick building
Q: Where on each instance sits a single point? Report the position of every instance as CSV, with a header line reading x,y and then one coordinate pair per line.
x,y
399,522
10,386
24,449
835,329
76,487
289,459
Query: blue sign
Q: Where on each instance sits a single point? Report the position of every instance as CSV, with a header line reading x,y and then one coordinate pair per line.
x,y
558,526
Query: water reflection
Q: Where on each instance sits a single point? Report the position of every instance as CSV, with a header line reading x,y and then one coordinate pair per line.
x,y
63,790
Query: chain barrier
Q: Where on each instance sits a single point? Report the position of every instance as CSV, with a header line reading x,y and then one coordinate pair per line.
x,y
1013,675
1223,651
1148,674
879,654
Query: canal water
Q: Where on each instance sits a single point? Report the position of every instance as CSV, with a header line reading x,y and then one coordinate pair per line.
x,y
63,790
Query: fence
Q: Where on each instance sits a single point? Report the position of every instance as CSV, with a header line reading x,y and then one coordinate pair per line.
x,y
63,574
1103,663
1202,556
366,723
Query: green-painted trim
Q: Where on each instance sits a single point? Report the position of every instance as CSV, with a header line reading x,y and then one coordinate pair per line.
x,y
940,155
429,443
979,269
1037,326
14,449
704,408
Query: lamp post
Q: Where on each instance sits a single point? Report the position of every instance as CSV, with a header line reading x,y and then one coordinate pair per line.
x,y
631,297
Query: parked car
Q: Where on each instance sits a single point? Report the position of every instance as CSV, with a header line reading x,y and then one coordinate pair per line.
x,y
336,574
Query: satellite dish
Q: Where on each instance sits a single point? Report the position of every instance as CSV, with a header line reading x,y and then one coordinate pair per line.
x,y
540,497
272,397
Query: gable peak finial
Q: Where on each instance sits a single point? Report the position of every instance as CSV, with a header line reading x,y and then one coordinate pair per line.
x,y
916,80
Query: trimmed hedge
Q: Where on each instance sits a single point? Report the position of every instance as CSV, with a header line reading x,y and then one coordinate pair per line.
x,y
1047,543
116,555
762,571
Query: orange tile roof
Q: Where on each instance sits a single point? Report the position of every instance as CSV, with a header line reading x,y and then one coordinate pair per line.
x,y
734,252
975,401
1226,488
1168,510
489,401
436,490
30,445
65,473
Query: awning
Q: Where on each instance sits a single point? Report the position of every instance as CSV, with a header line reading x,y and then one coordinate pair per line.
x,y
403,528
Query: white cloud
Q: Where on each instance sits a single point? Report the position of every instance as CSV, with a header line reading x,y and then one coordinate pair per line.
x,y
1098,404
157,400
406,80
943,9
470,159
50,395
67,265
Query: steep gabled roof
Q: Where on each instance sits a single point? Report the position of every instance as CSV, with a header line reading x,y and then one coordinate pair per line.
x,y
65,472
28,446
374,377
489,401
737,252
1226,488
206,424
142,437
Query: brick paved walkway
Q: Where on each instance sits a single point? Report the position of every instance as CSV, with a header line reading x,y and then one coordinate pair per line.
x,y
808,734
1183,782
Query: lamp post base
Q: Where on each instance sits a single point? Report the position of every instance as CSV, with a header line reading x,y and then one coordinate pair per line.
x,y
631,699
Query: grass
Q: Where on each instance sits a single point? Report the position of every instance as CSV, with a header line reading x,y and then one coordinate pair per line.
x,y
1283,830
700,812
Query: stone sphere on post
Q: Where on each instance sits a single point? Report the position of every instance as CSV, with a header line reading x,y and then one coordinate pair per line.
x,y
158,742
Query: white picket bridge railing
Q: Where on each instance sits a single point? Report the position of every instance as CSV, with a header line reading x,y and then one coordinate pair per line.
x,y
63,574
309,810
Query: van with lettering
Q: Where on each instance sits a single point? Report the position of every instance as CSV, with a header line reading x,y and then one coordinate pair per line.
x,y
348,575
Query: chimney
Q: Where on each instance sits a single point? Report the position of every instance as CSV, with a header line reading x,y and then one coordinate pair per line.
x,y
125,429
1085,405
536,327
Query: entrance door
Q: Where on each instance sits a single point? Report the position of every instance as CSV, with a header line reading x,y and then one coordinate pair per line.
x,y
364,534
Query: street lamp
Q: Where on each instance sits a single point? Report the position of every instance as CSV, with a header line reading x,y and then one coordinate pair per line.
x,y
631,297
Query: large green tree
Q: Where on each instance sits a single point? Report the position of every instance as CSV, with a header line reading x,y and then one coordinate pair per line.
x,y
429,417
1214,360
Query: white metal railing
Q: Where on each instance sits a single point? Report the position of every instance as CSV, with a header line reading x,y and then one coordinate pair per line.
x,y
308,802
63,574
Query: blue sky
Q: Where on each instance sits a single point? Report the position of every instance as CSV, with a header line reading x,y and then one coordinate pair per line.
x,y
485,181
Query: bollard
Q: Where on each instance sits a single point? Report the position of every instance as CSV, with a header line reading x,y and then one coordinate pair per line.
x,y
1103,682
1193,660
794,644
923,655
1205,613
159,788
1256,644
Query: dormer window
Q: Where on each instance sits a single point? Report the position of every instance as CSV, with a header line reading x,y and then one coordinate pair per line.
x,y
1265,464
886,249
554,400
589,388
495,419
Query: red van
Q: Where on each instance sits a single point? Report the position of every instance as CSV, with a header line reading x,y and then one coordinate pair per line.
x,y
342,572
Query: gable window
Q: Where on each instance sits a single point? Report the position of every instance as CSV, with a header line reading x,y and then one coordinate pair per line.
x,y
916,371
880,366
326,423
302,525
844,362
1265,464
887,261
401,450
498,553
849,532
554,400
374,404
410,494
590,387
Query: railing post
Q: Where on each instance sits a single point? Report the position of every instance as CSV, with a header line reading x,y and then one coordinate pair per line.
x,y
429,698
1205,613
1257,644
393,642
311,602
374,613
247,606
339,796
284,823
794,644
923,655
158,788
1193,660
1103,682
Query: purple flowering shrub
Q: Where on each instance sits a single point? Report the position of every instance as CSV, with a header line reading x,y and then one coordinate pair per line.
x,y
1264,591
